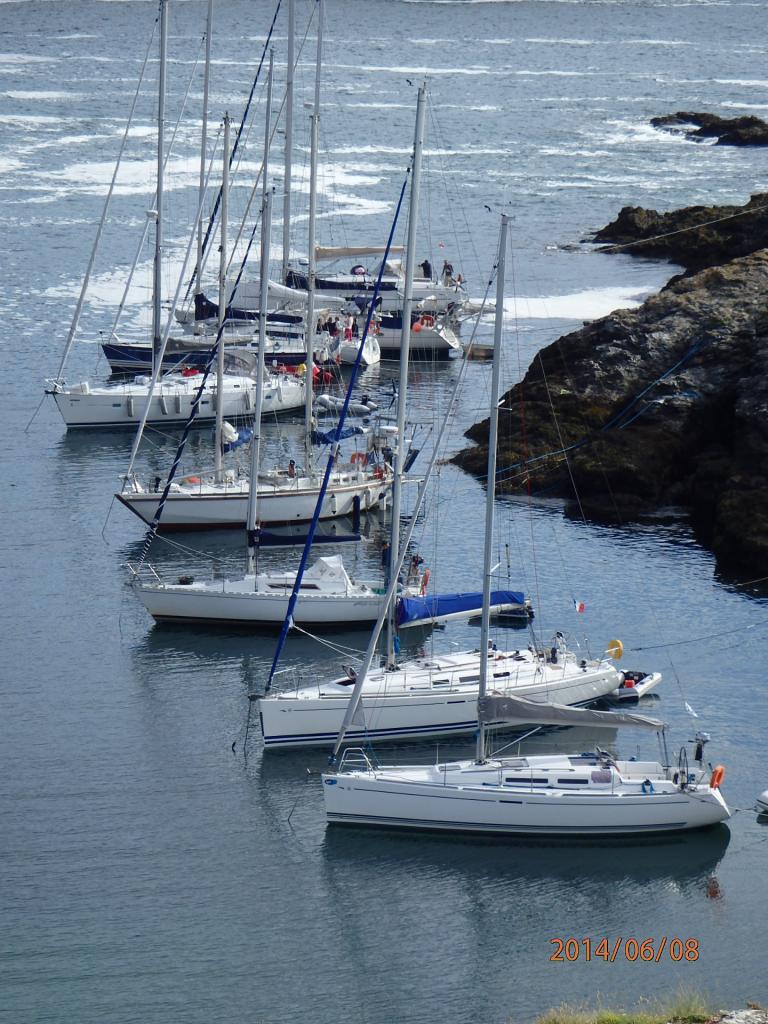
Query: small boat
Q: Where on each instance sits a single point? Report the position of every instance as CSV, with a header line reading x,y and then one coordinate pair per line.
x,y
633,686
762,802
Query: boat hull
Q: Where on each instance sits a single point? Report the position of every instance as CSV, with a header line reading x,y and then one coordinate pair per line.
x,y
177,603
136,358
120,405
374,799
190,510
288,721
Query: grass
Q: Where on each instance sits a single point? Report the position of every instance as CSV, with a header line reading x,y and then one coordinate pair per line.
x,y
687,1007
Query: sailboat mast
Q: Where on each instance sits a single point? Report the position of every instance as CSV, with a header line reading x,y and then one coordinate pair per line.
x,y
157,278
204,146
288,165
493,434
312,266
405,348
253,493
267,127
222,301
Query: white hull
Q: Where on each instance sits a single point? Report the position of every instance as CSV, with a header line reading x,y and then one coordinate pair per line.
x,y
371,352
195,504
123,405
419,701
501,797
237,602
440,341
327,597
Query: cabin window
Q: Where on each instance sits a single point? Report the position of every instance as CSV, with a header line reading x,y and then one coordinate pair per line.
x,y
501,675
572,782
469,679
523,778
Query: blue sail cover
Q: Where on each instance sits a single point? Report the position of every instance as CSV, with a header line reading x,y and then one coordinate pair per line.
x,y
329,437
243,437
424,609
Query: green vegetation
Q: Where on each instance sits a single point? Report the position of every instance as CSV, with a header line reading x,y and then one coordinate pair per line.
x,y
687,1007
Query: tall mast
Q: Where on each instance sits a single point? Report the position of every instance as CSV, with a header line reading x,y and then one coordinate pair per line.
x,y
204,146
287,174
251,518
405,347
267,126
312,267
493,434
222,300
157,279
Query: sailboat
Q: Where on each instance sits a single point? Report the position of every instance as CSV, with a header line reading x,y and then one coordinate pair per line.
x,y
221,500
435,695
167,399
569,795
566,795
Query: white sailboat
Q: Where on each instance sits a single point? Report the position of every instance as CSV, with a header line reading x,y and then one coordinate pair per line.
x,y
165,399
435,696
565,795
568,795
286,495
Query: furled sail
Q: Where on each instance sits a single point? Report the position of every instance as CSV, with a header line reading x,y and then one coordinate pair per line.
x,y
518,709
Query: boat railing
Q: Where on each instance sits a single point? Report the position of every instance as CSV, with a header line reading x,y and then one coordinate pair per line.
x,y
354,759
146,568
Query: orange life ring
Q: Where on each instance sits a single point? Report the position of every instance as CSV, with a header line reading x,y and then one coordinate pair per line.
x,y
424,582
356,457
192,480
717,777
378,472
427,321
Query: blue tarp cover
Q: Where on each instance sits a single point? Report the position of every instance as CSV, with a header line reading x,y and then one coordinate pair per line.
x,y
328,437
416,609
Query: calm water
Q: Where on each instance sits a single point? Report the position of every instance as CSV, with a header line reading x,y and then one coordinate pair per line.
x,y
147,873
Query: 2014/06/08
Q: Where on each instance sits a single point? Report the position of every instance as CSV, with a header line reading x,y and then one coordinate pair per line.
x,y
646,950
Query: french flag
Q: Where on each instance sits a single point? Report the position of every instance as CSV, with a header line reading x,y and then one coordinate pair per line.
x,y
579,606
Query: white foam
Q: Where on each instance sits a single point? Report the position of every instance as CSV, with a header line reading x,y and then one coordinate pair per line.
x,y
589,304
25,58
757,83
746,106
46,95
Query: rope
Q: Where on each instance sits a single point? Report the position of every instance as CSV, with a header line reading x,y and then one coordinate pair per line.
x,y
681,231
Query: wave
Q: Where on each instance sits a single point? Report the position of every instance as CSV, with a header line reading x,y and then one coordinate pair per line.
x,y
589,304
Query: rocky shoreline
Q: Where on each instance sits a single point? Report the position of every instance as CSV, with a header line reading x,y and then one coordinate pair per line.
x,y
727,131
662,405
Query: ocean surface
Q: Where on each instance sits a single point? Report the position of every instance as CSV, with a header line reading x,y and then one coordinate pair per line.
x,y
150,873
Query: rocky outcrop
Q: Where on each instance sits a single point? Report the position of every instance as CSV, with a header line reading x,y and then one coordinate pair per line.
x,y
728,131
664,404
725,232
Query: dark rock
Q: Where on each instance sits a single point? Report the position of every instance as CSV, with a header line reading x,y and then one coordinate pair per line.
x,y
665,404
729,131
695,237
